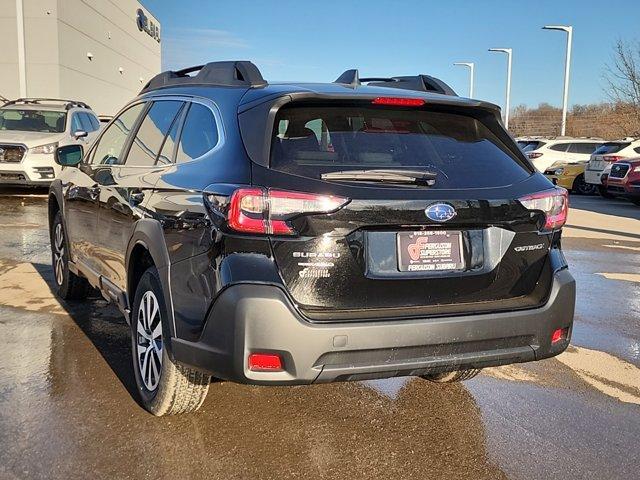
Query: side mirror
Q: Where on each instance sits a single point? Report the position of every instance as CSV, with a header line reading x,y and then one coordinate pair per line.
x,y
69,155
79,134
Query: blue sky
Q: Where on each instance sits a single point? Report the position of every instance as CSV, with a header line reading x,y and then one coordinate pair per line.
x,y
317,40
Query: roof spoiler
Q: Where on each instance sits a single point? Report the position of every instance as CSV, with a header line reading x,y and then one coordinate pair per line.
x,y
230,74
420,83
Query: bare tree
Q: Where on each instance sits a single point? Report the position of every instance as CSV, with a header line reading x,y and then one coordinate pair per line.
x,y
622,79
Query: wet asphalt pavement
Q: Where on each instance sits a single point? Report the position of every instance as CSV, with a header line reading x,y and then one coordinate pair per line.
x,y
67,410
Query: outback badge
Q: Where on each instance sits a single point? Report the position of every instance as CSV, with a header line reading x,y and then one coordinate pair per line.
x,y
440,212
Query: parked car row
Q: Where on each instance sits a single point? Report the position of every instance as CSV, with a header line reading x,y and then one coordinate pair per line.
x,y
588,165
30,131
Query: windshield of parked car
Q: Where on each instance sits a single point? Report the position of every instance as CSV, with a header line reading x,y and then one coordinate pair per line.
x,y
311,141
46,121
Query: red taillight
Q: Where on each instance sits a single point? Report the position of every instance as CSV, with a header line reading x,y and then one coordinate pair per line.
x,y
533,155
258,210
559,334
554,203
265,362
399,102
612,158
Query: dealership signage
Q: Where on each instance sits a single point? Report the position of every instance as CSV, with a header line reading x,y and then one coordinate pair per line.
x,y
145,24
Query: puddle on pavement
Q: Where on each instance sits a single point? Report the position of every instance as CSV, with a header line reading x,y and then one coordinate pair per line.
x,y
626,277
23,286
604,372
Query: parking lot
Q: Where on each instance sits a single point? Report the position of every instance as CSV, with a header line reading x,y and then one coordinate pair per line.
x,y
67,410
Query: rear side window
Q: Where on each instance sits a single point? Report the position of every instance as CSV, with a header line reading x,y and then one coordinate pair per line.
x,y
152,132
583,148
559,147
310,141
199,133
611,147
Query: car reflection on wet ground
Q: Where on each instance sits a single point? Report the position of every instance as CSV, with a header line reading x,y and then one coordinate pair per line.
x,y
67,409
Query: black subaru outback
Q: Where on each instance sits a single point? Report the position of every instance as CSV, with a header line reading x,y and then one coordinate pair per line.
x,y
281,234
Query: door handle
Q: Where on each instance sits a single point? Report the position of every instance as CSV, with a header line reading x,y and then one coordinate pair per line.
x,y
136,198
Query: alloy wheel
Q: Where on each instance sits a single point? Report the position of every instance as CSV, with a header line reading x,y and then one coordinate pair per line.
x,y
58,253
149,341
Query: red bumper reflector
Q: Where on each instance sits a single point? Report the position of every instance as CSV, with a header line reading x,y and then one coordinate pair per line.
x,y
265,362
559,334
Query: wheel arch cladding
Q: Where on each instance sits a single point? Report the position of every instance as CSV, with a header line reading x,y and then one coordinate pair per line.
x,y
147,247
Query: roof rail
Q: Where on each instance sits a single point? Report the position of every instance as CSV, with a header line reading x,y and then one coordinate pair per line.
x,y
421,83
229,74
39,101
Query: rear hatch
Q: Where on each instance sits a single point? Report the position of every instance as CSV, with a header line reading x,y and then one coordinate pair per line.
x,y
605,154
429,222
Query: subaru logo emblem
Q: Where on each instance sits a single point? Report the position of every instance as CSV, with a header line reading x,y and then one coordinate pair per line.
x,y
440,212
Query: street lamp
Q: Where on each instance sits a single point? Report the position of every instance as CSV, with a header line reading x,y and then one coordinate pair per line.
x,y
471,66
507,102
567,65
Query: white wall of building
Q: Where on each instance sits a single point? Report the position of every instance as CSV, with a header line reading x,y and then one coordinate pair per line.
x,y
61,35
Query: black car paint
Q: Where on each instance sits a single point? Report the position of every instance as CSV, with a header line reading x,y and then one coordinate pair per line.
x,y
180,218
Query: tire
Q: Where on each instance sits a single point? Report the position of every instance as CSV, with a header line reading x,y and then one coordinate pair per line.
x,y
581,187
602,190
69,286
452,377
164,387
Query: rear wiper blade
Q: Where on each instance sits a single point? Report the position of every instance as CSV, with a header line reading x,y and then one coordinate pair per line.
x,y
408,177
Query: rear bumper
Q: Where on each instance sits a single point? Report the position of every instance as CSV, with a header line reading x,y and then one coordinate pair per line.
x,y
250,318
623,188
593,176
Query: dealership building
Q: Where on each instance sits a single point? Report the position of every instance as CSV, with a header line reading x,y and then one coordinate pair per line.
x,y
101,52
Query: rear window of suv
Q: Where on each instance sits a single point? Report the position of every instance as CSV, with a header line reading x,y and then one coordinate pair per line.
x,y
530,145
610,147
310,141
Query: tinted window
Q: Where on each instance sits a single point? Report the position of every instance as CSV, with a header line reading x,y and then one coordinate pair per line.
x,y
583,148
155,126
559,147
108,150
199,134
76,124
33,120
310,141
85,121
530,145
611,147
637,149
166,154
88,121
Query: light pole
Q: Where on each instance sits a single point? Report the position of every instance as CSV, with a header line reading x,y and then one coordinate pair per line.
x,y
470,65
507,103
567,66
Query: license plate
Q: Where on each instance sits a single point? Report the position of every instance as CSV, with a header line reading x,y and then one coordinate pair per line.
x,y
430,251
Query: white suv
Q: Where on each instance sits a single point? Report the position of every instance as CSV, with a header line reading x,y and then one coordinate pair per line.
x,y
30,131
560,150
605,156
